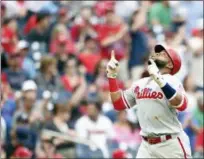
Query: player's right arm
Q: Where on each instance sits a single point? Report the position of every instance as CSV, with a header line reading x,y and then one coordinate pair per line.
x,y
121,99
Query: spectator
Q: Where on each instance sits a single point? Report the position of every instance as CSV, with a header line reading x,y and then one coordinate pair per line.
x,y
61,36
59,124
62,47
196,45
26,103
194,122
139,49
160,14
90,51
15,75
9,36
83,26
27,63
111,36
48,79
30,24
96,127
71,79
63,16
8,107
125,133
40,32
47,149
21,135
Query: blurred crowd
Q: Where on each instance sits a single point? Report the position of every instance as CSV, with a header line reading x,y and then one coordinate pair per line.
x,y
54,92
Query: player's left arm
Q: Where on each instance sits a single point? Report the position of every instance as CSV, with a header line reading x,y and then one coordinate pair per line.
x,y
175,94
178,99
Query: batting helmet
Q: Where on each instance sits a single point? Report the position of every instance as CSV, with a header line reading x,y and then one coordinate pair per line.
x,y
173,55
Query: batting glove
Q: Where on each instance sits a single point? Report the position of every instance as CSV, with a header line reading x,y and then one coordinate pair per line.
x,y
155,74
112,68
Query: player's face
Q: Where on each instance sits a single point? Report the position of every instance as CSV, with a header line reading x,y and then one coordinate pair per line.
x,y
163,57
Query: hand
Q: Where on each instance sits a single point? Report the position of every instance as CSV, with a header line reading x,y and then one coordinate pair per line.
x,y
152,67
154,73
112,66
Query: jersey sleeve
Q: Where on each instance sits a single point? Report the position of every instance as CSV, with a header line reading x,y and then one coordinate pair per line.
x,y
176,84
128,96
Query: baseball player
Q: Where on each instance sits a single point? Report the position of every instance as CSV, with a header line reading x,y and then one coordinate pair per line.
x,y
158,99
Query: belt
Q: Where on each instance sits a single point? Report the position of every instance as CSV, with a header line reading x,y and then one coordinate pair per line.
x,y
156,140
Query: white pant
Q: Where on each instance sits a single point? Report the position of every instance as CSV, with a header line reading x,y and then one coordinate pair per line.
x,y
177,147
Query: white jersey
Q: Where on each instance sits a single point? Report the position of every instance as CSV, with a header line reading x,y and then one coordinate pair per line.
x,y
97,131
154,112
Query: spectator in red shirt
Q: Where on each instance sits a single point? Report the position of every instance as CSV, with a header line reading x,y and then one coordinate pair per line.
x,y
112,35
31,23
89,56
83,26
9,35
72,78
62,47
60,35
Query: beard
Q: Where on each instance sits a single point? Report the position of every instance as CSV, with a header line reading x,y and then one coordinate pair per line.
x,y
160,64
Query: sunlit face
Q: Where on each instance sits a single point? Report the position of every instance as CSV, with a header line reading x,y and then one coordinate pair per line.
x,y
162,56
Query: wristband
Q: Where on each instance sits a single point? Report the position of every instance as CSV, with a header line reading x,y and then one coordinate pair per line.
x,y
169,92
113,85
111,75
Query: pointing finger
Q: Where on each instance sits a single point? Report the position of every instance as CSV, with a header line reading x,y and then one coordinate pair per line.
x,y
112,54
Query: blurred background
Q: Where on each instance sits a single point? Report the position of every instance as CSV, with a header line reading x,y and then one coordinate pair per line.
x,y
54,91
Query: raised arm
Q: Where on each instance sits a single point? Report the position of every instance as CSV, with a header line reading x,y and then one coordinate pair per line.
x,y
175,96
117,96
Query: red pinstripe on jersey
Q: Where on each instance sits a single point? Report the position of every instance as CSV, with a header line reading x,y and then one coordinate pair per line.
x,y
182,147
